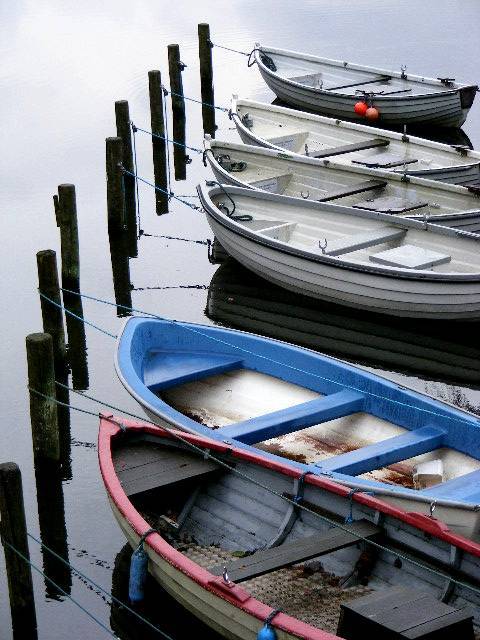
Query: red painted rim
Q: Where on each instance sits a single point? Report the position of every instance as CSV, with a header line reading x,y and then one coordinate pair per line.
x,y
236,595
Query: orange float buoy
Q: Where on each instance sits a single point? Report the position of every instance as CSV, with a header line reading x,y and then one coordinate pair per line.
x,y
372,114
360,108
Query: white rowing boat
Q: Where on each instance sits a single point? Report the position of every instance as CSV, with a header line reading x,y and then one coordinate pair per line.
x,y
333,87
327,181
352,143
354,257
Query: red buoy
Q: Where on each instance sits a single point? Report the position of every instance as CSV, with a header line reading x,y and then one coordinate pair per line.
x,y
360,108
372,114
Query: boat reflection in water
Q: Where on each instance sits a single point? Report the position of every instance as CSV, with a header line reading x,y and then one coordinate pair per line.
x,y
442,350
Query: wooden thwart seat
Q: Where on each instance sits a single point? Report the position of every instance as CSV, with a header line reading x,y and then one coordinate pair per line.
x,y
349,148
268,560
141,467
364,240
359,187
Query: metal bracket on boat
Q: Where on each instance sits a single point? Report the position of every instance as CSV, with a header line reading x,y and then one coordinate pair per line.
x,y
461,148
405,138
247,120
447,81
425,226
403,68
305,196
306,149
225,577
324,246
433,504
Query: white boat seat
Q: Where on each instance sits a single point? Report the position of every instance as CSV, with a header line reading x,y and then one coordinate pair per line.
x,y
359,187
385,161
290,141
273,184
390,204
350,148
408,256
261,225
313,80
364,240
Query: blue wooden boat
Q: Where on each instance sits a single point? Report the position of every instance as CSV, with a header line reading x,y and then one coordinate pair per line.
x,y
320,414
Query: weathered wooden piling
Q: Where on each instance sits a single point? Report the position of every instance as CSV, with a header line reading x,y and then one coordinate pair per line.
x,y
66,211
175,68
51,314
14,533
66,214
115,192
124,131
159,145
206,78
43,410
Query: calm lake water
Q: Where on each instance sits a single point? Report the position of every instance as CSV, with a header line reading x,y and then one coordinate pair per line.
x,y
63,66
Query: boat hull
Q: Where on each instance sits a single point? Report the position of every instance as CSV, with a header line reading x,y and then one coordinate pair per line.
x,y
412,298
441,110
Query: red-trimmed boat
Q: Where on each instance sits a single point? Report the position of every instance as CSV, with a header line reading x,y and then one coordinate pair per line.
x,y
239,539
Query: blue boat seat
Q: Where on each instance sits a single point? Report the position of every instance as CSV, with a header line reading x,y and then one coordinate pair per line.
x,y
465,488
300,416
163,369
381,454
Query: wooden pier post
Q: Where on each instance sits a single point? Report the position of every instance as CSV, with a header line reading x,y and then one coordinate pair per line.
x,y
115,192
159,145
67,221
14,532
124,131
175,67
43,411
206,78
51,314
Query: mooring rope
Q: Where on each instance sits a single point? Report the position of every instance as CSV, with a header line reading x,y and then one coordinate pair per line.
x,y
168,193
207,104
100,588
62,591
219,46
153,235
157,135
299,505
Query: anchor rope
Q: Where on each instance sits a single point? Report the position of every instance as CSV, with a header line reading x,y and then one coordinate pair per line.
x,y
208,455
157,135
192,329
99,587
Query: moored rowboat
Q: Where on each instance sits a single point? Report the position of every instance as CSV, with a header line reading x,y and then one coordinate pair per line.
x,y
351,186
333,87
243,529
357,258
326,416
352,143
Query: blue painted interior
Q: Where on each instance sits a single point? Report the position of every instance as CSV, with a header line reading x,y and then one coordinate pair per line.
x,y
156,354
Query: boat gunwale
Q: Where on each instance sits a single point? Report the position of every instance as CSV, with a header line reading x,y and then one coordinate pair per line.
x,y
178,420
328,163
339,262
237,103
422,80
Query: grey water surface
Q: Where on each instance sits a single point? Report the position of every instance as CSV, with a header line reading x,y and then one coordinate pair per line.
x,y
63,65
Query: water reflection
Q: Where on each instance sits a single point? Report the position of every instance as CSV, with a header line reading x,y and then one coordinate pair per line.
x,y
443,351
158,608
120,255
